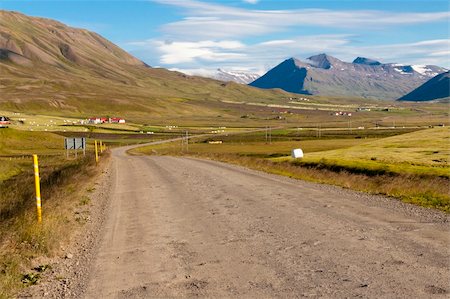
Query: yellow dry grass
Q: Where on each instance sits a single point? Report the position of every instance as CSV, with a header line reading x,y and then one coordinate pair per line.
x,y
424,152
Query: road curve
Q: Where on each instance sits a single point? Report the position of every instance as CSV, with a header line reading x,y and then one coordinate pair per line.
x,y
180,227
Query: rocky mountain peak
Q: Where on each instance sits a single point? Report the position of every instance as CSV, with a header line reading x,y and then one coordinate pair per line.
x,y
366,61
326,75
323,61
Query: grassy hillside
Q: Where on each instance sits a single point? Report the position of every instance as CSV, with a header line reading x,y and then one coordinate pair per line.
x,y
49,67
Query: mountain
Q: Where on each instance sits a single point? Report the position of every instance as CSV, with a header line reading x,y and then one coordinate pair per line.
x,y
241,77
326,75
48,67
366,61
289,75
435,88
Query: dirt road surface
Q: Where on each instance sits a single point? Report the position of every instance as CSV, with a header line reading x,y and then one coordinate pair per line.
x,y
181,227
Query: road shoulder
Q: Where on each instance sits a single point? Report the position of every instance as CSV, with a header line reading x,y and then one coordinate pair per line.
x,y
69,271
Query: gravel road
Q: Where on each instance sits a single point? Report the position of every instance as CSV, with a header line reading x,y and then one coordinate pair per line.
x,y
181,227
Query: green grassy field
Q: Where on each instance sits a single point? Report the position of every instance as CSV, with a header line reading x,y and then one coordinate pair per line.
x,y
16,148
257,149
424,152
421,148
412,166
17,142
48,123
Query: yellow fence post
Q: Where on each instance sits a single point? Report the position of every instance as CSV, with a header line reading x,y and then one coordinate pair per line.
x,y
96,152
101,146
37,185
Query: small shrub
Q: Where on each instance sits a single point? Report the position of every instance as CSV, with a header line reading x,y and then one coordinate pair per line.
x,y
85,200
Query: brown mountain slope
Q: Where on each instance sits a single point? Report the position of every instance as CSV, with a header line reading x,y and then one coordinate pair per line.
x,y
46,66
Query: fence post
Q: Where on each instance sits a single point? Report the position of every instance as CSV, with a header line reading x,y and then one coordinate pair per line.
x,y
96,152
37,184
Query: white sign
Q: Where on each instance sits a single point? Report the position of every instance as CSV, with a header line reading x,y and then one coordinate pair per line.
x,y
74,143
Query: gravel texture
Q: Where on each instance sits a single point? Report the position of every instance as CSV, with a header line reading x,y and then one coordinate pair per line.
x,y
183,227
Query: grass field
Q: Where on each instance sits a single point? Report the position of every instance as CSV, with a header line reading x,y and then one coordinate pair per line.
x,y
424,152
412,166
16,148
64,183
256,149
406,163
48,123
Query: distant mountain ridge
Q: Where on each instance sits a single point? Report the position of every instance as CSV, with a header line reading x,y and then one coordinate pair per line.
x,y
434,89
326,75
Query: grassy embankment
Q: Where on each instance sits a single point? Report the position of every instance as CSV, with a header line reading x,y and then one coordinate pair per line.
x,y
412,167
64,185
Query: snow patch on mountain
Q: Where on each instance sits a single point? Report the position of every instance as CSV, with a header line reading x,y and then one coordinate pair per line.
x,y
401,71
237,76
421,69
427,70
364,77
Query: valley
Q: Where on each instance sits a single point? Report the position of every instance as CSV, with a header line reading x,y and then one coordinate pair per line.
x,y
197,194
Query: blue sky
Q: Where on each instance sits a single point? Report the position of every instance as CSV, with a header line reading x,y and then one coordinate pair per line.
x,y
201,36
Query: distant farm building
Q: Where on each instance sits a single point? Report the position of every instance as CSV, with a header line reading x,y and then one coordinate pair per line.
x,y
97,120
116,120
4,120
106,120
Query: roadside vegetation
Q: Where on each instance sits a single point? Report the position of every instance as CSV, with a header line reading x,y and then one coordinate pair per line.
x,y
369,154
25,244
412,167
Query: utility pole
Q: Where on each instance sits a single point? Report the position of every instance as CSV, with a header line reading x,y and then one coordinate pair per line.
x,y
267,128
270,135
182,143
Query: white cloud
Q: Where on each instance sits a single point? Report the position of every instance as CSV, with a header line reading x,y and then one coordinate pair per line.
x,y
232,54
445,53
251,1
210,36
232,22
188,52
278,42
259,57
421,52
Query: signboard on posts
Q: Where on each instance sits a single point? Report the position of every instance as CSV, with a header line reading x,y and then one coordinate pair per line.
x,y
73,143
